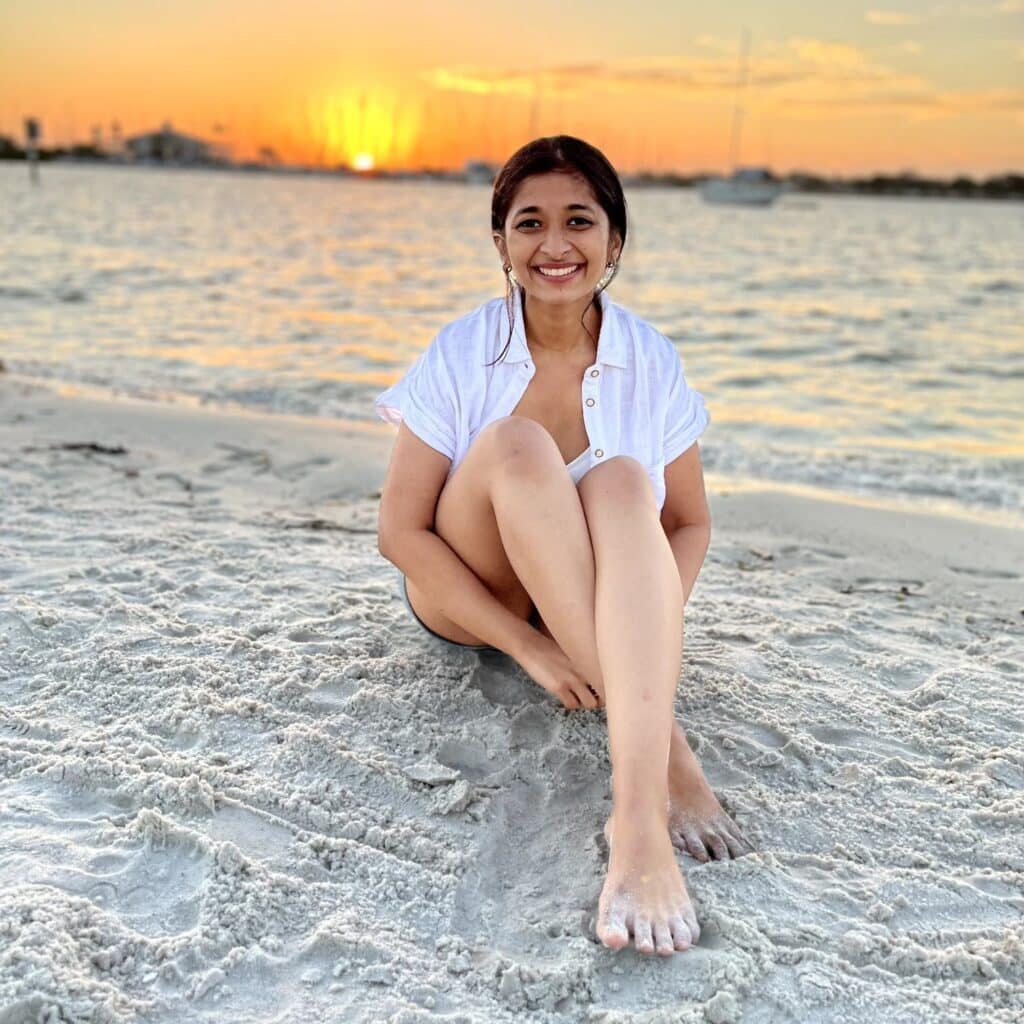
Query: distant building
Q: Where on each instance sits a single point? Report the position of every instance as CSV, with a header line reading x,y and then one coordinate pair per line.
x,y
167,146
479,171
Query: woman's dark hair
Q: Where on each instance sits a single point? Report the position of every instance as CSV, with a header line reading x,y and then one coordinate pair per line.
x,y
564,154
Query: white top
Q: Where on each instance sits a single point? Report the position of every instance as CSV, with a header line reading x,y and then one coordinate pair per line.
x,y
635,397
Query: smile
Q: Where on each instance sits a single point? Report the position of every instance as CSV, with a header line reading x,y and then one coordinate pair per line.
x,y
561,273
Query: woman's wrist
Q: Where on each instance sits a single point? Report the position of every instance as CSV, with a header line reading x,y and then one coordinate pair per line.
x,y
522,639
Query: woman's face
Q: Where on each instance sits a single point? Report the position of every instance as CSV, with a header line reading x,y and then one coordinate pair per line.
x,y
555,221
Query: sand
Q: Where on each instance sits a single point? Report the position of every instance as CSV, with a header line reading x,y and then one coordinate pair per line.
x,y
238,783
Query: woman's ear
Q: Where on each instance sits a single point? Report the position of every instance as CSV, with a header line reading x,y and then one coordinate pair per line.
x,y
499,244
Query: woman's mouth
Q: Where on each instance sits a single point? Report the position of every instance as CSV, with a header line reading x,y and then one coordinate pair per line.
x,y
559,275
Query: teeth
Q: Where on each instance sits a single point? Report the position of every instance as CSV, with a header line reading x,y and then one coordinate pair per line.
x,y
563,272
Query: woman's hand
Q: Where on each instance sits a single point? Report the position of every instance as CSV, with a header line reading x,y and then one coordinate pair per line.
x,y
547,664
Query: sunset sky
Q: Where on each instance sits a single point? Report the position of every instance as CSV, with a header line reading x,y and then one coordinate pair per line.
x,y
836,86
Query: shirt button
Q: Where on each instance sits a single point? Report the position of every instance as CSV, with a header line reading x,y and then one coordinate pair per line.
x,y
595,373
599,453
590,401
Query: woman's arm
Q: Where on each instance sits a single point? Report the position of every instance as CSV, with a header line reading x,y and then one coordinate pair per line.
x,y
405,537
455,589
685,516
689,546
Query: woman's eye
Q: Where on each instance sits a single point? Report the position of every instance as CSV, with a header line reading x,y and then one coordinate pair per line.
x,y
533,220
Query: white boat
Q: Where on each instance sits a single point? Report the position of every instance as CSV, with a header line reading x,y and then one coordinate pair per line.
x,y
748,186
745,186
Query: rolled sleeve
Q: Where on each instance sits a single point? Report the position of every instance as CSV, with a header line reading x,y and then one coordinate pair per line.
x,y
686,416
424,400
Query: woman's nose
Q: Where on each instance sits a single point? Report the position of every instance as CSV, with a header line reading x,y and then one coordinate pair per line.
x,y
555,243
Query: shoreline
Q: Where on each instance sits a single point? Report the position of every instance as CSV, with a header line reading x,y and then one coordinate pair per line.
x,y
803,184
238,781
375,440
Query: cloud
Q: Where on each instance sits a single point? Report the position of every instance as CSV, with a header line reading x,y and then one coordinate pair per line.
x,y
798,76
798,60
664,74
980,101
895,19
891,18
825,54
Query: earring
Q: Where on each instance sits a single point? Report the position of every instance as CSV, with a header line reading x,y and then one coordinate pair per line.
x,y
609,271
510,274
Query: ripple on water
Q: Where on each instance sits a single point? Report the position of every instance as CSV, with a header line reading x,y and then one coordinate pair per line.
x,y
308,295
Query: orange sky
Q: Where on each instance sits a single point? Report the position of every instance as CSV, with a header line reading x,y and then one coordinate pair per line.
x,y
840,87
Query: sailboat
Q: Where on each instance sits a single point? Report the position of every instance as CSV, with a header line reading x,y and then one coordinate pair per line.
x,y
745,186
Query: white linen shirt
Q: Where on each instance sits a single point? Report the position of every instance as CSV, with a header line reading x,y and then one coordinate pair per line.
x,y
635,398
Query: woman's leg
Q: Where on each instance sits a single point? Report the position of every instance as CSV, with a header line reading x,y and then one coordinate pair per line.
x,y
545,534
541,551
638,608
697,822
514,517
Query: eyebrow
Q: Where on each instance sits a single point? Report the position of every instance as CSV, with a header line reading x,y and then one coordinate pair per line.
x,y
537,209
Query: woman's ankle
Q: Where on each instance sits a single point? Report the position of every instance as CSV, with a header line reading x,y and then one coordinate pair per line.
x,y
639,811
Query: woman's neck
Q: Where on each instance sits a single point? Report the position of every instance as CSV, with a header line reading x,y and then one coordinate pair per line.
x,y
554,329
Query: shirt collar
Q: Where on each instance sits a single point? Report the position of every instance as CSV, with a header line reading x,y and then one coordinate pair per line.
x,y
611,346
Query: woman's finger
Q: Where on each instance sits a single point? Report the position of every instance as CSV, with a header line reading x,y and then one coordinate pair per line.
x,y
587,697
569,699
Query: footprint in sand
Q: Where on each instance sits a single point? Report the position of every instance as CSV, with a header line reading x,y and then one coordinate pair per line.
x,y
258,459
500,683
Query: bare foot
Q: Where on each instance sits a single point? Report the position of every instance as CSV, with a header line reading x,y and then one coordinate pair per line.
x,y
644,892
697,823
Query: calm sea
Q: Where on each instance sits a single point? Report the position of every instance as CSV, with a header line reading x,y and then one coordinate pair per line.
x,y
868,347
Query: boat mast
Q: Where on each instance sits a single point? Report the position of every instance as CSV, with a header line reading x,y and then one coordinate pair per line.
x,y
737,112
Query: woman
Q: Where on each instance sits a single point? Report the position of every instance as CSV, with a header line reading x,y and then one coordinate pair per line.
x,y
546,498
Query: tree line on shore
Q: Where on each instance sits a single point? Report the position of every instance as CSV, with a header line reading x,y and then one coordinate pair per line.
x,y
906,183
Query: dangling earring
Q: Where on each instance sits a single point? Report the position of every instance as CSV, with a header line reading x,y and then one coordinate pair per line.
x,y
510,274
609,271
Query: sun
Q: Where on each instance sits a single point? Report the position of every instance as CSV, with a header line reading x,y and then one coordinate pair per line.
x,y
363,129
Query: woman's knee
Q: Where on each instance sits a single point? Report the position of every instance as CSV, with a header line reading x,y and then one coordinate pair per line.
x,y
520,445
621,479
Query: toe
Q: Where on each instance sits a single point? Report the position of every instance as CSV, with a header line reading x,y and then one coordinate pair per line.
x,y
611,928
613,935
680,932
642,935
716,844
689,915
736,848
663,939
695,846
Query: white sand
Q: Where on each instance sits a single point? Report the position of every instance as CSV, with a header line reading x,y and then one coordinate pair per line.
x,y
238,783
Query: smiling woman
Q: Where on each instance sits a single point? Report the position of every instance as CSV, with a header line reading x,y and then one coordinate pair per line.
x,y
576,563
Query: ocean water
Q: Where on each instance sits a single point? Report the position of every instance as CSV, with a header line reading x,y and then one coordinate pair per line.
x,y
863,347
